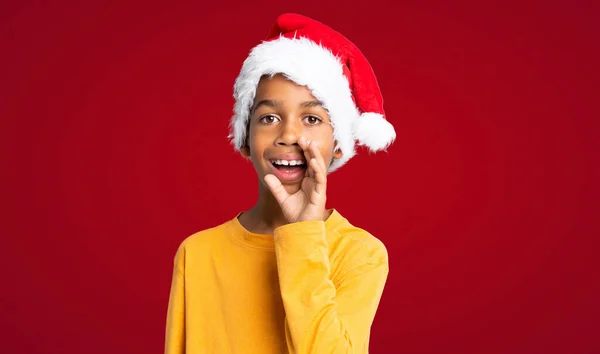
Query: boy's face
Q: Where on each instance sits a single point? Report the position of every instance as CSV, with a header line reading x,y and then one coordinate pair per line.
x,y
283,112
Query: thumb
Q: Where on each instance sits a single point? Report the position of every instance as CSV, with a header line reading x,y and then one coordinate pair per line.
x,y
276,188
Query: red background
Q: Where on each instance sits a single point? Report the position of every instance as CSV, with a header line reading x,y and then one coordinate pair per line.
x,y
113,133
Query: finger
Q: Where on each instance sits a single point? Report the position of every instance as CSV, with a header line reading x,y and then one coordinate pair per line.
x,y
305,146
316,153
276,188
320,177
304,143
320,170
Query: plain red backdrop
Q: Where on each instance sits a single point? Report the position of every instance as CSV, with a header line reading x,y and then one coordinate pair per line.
x,y
113,133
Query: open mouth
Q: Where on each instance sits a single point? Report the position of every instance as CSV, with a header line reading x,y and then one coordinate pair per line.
x,y
289,165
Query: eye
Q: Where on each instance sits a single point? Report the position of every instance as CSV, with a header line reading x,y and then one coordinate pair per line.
x,y
313,120
269,119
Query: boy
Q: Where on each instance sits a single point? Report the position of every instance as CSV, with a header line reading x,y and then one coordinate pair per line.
x,y
288,275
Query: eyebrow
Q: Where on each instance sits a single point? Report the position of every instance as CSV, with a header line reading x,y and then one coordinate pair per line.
x,y
309,104
279,103
268,103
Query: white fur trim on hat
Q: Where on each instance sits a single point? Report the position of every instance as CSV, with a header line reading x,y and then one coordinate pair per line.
x,y
374,131
314,66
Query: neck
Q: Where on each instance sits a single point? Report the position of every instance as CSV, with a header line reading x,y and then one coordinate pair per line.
x,y
266,215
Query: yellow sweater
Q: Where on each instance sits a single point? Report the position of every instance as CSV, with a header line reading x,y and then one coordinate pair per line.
x,y
312,287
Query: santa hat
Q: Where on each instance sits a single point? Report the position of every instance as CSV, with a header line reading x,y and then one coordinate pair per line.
x,y
313,55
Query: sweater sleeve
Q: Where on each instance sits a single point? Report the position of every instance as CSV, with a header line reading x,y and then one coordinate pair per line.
x,y
323,317
175,328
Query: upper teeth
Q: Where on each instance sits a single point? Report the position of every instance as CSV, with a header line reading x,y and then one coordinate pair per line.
x,y
288,162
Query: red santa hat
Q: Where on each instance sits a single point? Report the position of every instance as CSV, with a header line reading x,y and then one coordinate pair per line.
x,y
313,55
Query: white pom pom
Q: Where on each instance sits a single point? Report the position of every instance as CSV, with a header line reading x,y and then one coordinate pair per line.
x,y
373,131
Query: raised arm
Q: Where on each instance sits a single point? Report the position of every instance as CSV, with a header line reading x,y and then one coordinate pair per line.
x,y
323,316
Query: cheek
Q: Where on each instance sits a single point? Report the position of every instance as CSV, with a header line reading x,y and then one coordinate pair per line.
x,y
325,139
257,142
327,157
323,134
326,149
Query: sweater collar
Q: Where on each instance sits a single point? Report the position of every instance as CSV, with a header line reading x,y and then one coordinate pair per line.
x,y
263,241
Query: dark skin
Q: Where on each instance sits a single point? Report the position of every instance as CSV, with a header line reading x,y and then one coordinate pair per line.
x,y
287,118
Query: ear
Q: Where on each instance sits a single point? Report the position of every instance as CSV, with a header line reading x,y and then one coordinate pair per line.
x,y
337,152
245,151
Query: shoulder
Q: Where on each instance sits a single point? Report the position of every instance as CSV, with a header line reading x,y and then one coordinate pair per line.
x,y
204,237
201,241
353,246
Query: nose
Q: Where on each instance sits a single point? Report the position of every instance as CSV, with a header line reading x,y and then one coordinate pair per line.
x,y
290,132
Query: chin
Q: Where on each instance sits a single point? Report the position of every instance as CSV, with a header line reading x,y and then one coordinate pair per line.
x,y
292,188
